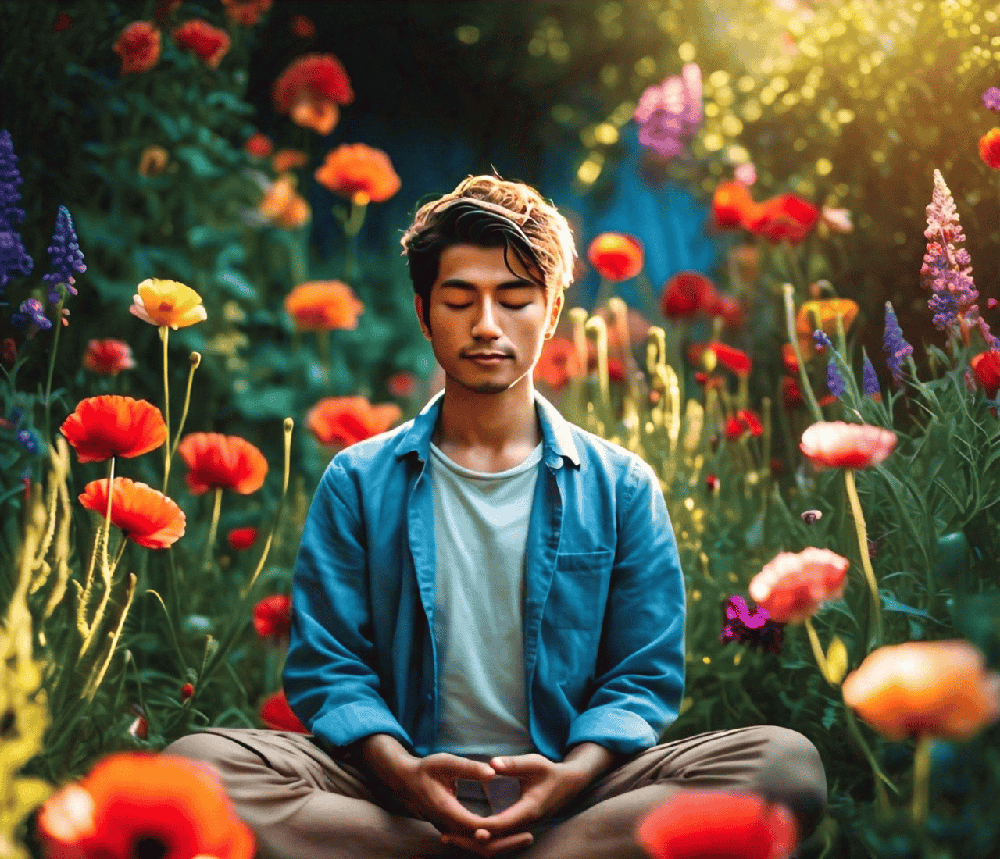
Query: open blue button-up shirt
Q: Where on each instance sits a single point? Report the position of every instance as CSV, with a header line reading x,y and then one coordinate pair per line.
x,y
603,610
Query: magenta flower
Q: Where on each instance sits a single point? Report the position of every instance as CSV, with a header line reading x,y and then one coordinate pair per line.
x,y
670,113
991,98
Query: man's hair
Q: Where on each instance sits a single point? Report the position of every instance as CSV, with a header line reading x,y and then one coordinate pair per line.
x,y
491,212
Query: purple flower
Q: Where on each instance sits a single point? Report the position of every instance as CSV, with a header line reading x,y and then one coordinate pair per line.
x,y
834,381
991,98
10,181
897,349
28,440
31,313
670,112
65,256
755,629
869,380
13,256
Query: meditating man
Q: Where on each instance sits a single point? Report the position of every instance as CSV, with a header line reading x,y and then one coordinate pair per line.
x,y
488,607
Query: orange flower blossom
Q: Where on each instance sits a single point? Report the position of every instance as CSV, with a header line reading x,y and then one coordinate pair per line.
x,y
727,356
153,161
989,148
793,585
558,363
359,172
288,159
208,43
322,305
835,444
108,357
732,205
146,517
344,421
139,47
246,12
167,303
283,205
310,90
171,806
925,688
616,256
217,461
106,426
822,314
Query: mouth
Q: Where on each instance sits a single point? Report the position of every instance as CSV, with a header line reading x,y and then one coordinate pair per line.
x,y
488,357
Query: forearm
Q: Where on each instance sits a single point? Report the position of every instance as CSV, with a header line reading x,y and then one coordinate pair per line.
x,y
385,758
591,760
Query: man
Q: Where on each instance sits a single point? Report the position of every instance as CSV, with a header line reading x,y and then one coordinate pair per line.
x,y
488,636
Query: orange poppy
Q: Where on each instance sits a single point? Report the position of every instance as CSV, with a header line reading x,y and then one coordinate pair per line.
x,y
822,314
134,804
272,616
283,205
208,43
793,585
696,824
359,172
217,461
153,161
106,426
241,538
558,363
276,713
167,303
288,159
835,444
728,356
322,305
732,205
139,47
788,358
343,421
310,90
616,256
783,218
986,366
925,688
686,294
989,148
246,12
108,357
258,146
147,517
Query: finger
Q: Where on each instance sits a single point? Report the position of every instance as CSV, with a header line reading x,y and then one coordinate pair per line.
x,y
521,764
520,814
452,766
490,848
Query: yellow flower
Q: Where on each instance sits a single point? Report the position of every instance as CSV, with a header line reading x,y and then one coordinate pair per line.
x,y
167,302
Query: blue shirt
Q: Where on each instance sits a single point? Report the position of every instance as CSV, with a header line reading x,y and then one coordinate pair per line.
x,y
604,605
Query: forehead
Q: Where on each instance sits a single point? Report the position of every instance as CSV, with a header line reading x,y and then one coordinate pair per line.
x,y
480,266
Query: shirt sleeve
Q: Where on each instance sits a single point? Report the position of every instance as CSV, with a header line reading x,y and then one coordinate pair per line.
x,y
640,679
329,676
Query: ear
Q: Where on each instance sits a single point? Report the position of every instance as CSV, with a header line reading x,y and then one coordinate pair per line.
x,y
418,306
554,312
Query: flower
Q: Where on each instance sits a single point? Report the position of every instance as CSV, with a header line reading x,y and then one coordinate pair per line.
x,y
10,182
895,346
139,47
783,218
106,426
991,98
167,302
986,366
146,517
288,159
709,824
246,12
322,305
217,461
187,691
276,713
302,27
728,356
31,314
65,256
310,90
8,350
258,145
793,585
670,112
208,43
616,256
108,357
789,359
836,220
686,294
755,629
133,804
745,421
283,206
791,393
345,420
989,148
837,444
241,538
272,616
822,314
139,729
62,23
926,688
558,363
358,172
869,378
732,205
834,380
153,161
402,384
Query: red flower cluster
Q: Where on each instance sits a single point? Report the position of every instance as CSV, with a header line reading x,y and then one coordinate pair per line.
x,y
208,43
616,256
217,461
689,294
782,218
744,421
272,617
310,90
139,47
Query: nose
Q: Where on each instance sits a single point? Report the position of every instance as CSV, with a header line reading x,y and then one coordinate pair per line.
x,y
485,327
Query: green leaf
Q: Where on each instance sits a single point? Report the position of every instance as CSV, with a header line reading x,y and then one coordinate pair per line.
x,y
235,284
197,160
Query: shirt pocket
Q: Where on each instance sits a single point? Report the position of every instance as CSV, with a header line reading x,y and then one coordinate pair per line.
x,y
579,590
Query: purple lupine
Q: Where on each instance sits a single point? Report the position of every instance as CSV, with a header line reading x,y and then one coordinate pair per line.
x,y
13,256
755,629
896,348
65,256
31,315
670,112
834,381
869,380
991,98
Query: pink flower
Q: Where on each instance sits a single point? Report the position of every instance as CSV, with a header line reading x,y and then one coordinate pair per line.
x,y
835,444
792,586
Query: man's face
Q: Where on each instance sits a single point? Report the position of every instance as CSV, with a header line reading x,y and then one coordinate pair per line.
x,y
488,322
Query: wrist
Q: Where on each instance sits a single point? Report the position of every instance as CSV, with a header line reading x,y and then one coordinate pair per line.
x,y
386,759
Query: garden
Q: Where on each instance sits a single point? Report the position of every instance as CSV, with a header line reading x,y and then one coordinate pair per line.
x,y
787,217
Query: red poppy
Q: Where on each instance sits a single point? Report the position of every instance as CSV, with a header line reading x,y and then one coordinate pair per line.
x,y
616,256
343,421
310,90
732,205
165,10
277,714
729,309
791,393
837,444
558,363
727,356
783,218
708,380
272,616
986,366
62,22
139,47
108,357
708,824
360,173
246,13
241,538
146,517
402,384
989,148
288,159
686,294
322,305
302,27
187,691
258,146
217,461
208,43
745,421
106,426
166,805
793,585
711,482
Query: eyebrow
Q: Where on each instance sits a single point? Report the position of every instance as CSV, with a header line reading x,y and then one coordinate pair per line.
x,y
470,287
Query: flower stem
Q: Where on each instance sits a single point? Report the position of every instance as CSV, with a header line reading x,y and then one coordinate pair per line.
x,y
165,337
195,361
216,511
880,778
817,650
921,777
866,561
52,366
289,424
807,390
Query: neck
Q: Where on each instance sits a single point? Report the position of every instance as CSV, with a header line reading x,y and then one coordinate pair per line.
x,y
496,422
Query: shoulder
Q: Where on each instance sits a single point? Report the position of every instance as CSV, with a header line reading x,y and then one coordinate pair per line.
x,y
365,460
600,458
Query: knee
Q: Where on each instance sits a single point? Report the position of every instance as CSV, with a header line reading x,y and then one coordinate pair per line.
x,y
203,747
792,773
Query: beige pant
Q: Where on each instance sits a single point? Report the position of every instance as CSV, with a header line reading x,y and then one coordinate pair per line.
x,y
303,804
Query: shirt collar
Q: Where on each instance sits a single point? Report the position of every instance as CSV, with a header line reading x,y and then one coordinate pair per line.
x,y
557,439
